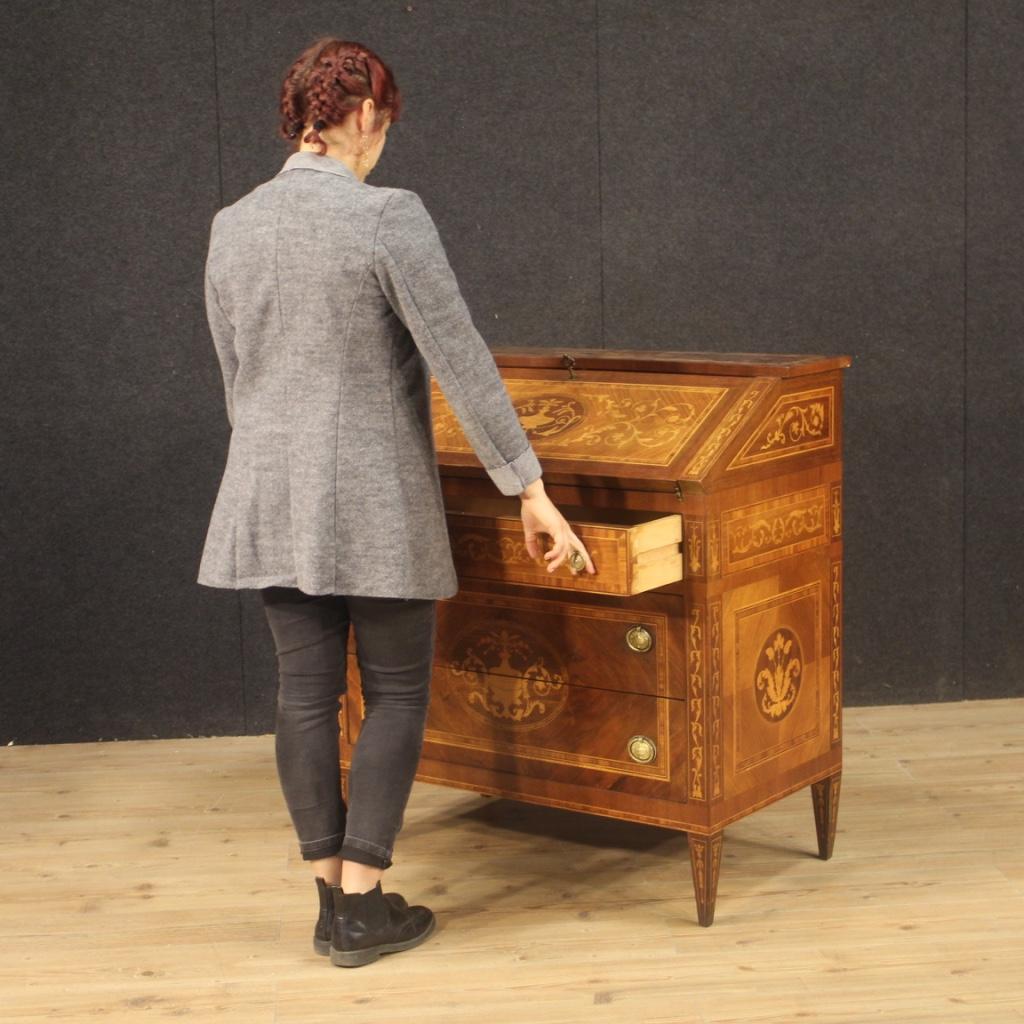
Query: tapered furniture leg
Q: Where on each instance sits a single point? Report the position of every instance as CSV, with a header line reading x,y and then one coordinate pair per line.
x,y
705,860
825,796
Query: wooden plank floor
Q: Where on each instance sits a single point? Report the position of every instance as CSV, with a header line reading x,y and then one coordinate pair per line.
x,y
160,879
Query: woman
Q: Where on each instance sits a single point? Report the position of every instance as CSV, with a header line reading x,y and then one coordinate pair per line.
x,y
330,303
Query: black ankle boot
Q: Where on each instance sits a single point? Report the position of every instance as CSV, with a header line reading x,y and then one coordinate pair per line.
x,y
325,921
367,924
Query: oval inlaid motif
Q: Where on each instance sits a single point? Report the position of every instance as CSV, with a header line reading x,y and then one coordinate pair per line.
x,y
549,415
510,677
777,676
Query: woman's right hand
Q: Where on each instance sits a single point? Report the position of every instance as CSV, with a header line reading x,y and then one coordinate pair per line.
x,y
539,516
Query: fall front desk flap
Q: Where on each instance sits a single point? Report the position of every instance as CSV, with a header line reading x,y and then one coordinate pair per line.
x,y
630,416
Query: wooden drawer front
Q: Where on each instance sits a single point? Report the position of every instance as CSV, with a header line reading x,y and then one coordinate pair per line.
x,y
583,640
572,734
555,642
632,551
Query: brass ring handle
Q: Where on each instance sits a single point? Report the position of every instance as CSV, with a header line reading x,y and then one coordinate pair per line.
x,y
639,639
577,561
642,749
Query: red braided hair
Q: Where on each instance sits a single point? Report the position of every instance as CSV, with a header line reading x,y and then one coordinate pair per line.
x,y
330,78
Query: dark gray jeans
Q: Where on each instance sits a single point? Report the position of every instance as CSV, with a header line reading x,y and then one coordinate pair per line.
x,y
395,650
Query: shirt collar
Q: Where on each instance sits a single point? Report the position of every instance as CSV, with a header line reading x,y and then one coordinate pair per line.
x,y
309,160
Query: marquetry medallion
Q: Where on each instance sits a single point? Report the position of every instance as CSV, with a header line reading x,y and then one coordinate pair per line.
x,y
508,677
777,676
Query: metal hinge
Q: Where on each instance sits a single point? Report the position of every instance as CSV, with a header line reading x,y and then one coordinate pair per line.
x,y
569,363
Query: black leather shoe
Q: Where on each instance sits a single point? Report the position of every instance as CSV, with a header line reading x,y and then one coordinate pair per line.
x,y
325,922
368,924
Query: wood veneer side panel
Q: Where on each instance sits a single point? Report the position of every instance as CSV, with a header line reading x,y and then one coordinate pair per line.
x,y
777,678
786,435
772,519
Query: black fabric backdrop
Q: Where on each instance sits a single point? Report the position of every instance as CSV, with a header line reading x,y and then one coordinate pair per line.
x,y
817,177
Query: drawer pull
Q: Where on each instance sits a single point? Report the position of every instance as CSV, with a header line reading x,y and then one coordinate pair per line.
x,y
577,561
642,749
639,639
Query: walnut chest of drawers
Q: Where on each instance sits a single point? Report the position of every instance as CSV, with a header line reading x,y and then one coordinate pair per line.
x,y
697,677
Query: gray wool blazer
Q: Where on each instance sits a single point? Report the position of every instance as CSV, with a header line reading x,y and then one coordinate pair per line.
x,y
330,303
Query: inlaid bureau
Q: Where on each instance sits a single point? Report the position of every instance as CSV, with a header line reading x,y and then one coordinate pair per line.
x,y
697,677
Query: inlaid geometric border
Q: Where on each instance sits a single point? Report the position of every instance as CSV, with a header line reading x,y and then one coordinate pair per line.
x,y
727,429
715,697
836,505
695,701
836,603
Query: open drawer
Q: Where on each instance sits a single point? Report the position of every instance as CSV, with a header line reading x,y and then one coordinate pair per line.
x,y
632,550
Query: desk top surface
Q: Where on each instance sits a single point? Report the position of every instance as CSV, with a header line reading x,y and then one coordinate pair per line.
x,y
740,364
